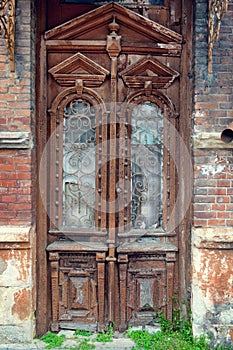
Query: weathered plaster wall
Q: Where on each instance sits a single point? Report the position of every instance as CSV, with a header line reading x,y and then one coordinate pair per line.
x,y
212,238
212,283
17,284
17,183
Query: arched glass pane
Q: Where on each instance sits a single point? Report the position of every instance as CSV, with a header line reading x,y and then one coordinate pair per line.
x,y
79,164
146,166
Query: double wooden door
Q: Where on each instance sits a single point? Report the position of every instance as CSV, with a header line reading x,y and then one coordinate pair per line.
x,y
110,168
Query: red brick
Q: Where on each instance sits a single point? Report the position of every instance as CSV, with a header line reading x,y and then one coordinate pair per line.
x,y
202,207
217,191
19,206
20,175
206,105
218,206
199,222
222,214
23,167
223,183
4,176
9,198
7,214
20,190
24,198
204,214
229,222
222,199
8,183
7,167
216,222
204,199
229,207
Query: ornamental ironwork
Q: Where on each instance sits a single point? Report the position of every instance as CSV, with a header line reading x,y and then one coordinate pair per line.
x,y
146,165
217,10
79,164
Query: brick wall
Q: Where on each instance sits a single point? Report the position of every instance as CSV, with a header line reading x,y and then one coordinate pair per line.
x,y
17,182
213,112
17,172
212,278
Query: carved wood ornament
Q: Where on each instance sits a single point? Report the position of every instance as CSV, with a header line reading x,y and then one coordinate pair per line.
x,y
7,28
217,10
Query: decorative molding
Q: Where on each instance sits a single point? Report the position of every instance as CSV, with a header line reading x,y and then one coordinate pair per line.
x,y
7,28
15,139
217,10
101,17
113,40
148,70
76,68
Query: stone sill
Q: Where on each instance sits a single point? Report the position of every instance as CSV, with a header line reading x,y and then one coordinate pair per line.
x,y
9,234
15,139
212,237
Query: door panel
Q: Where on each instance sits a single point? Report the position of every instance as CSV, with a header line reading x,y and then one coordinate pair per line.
x,y
113,106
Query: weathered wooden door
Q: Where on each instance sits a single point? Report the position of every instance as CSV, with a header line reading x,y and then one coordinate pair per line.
x,y
112,160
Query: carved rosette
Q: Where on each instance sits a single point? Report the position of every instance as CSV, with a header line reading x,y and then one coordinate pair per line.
x,y
7,27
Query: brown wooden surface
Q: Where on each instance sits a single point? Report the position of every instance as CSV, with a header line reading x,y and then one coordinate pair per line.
x,y
89,58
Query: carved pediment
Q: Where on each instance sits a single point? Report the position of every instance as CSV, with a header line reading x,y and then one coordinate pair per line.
x,y
94,25
79,67
148,69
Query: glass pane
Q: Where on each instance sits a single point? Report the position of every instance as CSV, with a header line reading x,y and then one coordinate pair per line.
x,y
146,166
79,164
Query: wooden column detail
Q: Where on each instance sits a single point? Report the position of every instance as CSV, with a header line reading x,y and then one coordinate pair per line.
x,y
170,262
54,263
113,48
123,264
100,258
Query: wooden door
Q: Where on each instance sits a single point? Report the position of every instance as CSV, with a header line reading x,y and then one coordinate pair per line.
x,y
112,166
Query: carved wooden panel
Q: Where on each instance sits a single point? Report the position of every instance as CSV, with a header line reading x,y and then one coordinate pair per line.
x,y
146,285
77,302
146,70
79,67
78,290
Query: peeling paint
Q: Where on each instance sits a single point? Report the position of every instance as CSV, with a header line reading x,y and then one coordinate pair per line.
x,y
17,271
22,306
212,284
3,266
216,269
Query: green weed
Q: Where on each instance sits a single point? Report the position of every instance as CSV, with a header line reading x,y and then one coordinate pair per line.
x,y
174,335
52,340
106,336
83,333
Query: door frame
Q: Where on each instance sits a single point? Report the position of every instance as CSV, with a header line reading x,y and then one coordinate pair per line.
x,y
43,304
